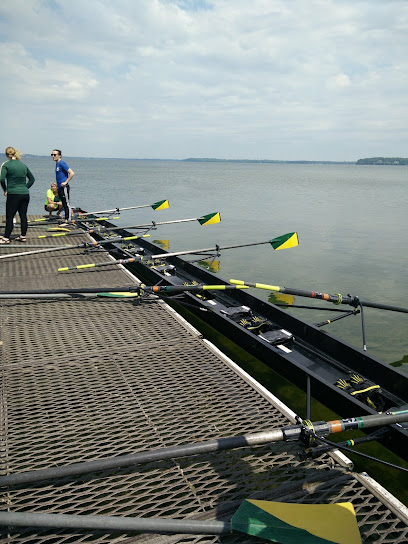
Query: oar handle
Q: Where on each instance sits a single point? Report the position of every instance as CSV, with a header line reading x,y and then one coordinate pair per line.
x,y
288,290
336,299
94,265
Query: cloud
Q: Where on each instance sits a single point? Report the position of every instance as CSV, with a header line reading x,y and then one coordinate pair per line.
x,y
47,81
176,78
340,81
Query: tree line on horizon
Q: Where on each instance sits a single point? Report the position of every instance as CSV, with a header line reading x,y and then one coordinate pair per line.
x,y
384,160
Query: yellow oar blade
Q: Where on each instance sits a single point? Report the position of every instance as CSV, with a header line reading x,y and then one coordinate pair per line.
x,y
161,205
210,219
286,241
290,522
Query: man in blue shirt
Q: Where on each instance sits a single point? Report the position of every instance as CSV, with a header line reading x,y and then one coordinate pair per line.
x,y
63,175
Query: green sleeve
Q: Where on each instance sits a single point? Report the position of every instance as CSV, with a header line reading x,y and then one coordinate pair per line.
x,y
31,178
3,177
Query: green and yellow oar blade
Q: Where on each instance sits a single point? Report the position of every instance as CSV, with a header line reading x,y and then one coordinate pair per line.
x,y
285,241
210,219
291,523
161,205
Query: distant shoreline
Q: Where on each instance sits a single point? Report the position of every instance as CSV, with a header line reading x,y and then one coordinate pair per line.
x,y
376,161
267,161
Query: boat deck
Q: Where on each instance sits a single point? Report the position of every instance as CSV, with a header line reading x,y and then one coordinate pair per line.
x,y
84,379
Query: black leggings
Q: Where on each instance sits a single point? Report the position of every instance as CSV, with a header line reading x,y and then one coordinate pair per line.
x,y
63,193
14,204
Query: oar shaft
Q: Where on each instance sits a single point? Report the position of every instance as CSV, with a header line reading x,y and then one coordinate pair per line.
x,y
58,295
290,433
206,249
144,226
115,523
59,234
129,289
36,252
149,456
72,291
115,210
159,256
30,246
76,246
383,306
87,220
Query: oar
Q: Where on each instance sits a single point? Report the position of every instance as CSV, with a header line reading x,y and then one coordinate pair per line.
x,y
63,221
73,221
42,219
160,205
70,233
135,290
336,299
86,220
281,242
209,219
269,520
290,433
25,246
73,246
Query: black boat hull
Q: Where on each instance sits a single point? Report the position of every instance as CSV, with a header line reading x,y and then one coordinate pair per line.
x,y
312,354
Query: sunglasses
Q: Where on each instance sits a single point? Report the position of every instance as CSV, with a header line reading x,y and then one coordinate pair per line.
x,y
54,154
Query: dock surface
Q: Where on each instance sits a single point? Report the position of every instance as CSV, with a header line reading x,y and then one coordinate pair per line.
x,y
92,378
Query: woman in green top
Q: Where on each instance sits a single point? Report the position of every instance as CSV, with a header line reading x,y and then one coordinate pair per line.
x,y
13,180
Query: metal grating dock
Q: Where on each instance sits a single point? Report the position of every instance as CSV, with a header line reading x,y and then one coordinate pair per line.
x,y
94,378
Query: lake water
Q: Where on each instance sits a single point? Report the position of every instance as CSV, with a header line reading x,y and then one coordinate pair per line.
x,y
352,224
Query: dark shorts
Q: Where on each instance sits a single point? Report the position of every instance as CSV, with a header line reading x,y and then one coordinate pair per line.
x,y
55,206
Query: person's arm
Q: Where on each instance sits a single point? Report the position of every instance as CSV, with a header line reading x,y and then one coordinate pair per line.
x,y
49,198
3,178
71,174
31,178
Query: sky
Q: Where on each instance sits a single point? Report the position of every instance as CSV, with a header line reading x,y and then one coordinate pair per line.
x,y
228,79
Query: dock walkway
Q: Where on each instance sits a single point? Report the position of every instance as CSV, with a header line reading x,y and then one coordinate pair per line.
x,y
85,379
